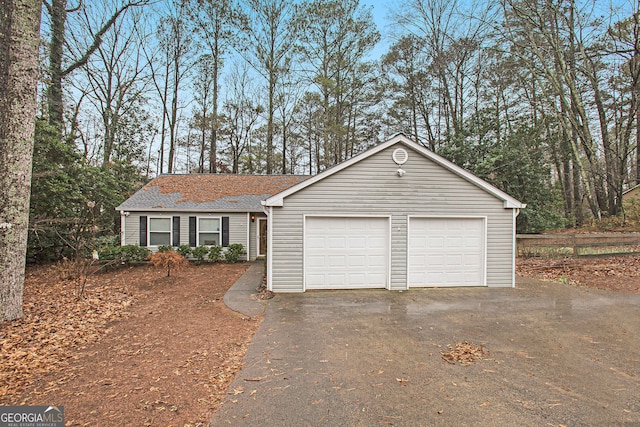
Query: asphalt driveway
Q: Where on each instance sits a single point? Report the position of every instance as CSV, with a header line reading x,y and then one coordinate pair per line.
x,y
558,355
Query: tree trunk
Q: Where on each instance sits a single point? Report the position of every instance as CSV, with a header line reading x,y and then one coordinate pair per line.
x,y
284,147
213,150
638,147
577,195
19,40
272,89
173,128
58,12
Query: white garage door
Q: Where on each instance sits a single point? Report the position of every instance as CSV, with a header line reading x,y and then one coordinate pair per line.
x,y
446,252
346,252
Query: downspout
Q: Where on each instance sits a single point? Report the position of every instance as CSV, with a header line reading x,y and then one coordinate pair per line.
x,y
249,236
267,212
123,222
516,212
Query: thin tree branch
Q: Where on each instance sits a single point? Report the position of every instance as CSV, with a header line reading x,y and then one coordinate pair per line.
x,y
97,40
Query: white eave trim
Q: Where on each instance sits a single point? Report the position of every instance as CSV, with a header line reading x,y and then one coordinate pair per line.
x,y
274,201
509,202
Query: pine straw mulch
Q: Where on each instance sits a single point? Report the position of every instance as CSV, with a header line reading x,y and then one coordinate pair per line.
x,y
611,273
139,349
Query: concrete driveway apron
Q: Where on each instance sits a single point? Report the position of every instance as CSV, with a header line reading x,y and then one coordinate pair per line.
x,y
558,355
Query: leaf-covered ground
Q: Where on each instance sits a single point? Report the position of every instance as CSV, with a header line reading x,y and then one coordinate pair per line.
x,y
142,349
139,349
620,274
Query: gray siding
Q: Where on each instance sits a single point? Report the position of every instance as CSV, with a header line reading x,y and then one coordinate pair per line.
x,y
237,226
371,187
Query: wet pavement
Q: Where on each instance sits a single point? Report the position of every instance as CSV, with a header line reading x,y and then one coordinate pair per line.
x,y
558,355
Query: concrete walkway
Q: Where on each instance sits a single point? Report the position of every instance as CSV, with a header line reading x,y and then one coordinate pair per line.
x,y
557,355
241,296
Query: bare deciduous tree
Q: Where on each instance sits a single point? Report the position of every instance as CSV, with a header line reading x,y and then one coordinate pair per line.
x,y
57,46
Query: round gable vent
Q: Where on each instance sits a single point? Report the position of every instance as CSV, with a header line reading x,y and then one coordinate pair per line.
x,y
400,156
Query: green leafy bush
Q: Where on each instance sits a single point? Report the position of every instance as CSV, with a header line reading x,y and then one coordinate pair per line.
x,y
104,242
234,252
215,253
125,254
165,248
184,250
73,200
199,253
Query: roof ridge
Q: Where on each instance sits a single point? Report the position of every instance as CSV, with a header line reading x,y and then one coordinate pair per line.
x,y
229,174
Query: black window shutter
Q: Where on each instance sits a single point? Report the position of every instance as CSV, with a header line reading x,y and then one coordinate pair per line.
x,y
225,231
143,231
192,231
176,231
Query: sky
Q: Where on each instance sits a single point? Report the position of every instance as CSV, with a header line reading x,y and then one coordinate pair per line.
x,y
380,11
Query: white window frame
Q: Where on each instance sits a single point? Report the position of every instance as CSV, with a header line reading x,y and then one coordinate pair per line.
x,y
219,218
151,218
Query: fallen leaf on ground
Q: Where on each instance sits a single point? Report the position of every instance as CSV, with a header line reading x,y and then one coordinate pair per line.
x,y
465,352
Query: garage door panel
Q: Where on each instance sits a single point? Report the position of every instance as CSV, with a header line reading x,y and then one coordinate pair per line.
x,y
346,253
357,243
334,261
377,242
357,280
315,261
315,242
315,279
334,280
374,260
446,252
357,261
335,242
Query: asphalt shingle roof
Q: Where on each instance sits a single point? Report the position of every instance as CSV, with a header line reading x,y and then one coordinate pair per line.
x,y
210,192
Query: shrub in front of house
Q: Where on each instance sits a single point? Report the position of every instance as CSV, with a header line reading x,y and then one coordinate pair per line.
x,y
199,253
215,253
234,252
184,250
125,254
169,260
165,248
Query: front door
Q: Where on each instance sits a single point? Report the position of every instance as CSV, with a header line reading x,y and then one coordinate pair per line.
x,y
262,237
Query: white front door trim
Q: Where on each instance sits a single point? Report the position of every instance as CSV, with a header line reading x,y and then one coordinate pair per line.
x,y
259,220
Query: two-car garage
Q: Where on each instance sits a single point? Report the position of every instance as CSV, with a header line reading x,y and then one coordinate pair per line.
x,y
394,217
354,252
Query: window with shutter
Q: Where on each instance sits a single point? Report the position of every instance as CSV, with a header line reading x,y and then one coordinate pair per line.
x,y
159,231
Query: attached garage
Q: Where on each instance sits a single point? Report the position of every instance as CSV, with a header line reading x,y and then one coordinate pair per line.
x,y
446,252
398,217
346,252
